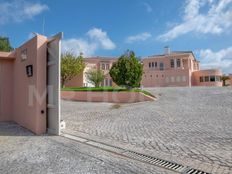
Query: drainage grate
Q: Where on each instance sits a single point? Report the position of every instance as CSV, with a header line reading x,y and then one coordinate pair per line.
x,y
138,156
194,171
106,147
155,161
72,137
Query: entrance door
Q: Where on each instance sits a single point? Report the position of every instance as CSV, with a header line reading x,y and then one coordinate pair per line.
x,y
53,84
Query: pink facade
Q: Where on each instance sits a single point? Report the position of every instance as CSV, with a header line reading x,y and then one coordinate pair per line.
x,y
177,69
102,63
169,69
20,91
210,77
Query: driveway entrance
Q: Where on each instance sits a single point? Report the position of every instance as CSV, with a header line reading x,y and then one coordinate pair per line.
x,y
29,84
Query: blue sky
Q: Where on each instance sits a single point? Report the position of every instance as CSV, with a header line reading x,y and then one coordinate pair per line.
x,y
109,27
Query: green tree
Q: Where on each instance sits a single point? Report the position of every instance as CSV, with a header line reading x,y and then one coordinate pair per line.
x,y
71,66
95,77
5,44
224,78
127,71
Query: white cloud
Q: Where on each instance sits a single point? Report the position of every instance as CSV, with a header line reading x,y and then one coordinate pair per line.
x,y
216,20
139,37
148,7
101,38
95,39
31,10
221,59
19,10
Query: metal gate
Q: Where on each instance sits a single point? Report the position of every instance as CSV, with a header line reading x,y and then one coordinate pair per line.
x,y
53,84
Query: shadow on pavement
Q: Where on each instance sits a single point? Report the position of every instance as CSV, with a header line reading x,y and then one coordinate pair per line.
x,y
13,129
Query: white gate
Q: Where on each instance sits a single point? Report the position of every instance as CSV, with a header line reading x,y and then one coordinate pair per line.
x,y
53,84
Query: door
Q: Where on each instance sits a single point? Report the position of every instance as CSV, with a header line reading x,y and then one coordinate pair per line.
x,y
53,84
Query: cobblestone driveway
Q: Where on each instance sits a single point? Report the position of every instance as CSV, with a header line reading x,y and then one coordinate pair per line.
x,y
192,126
23,153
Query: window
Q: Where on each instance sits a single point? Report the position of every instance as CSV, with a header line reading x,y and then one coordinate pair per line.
x,y
184,79
106,82
152,64
157,75
206,78
178,78
167,80
218,78
201,79
111,82
107,66
149,64
161,66
178,63
172,63
156,64
150,75
212,78
103,66
172,79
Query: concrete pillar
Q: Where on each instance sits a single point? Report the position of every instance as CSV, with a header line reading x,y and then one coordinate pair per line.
x,y
189,64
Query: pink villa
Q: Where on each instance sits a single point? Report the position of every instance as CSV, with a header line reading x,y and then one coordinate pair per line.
x,y
103,63
170,69
177,69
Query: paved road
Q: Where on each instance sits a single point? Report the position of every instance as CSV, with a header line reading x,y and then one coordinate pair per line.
x,y
192,126
22,153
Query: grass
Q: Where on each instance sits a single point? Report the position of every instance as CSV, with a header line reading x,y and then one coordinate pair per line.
x,y
108,89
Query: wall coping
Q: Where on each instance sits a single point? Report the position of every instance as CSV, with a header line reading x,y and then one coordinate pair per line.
x,y
106,96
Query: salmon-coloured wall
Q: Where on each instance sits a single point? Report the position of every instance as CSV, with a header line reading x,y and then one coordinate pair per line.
x,y
212,72
158,78
75,81
230,79
79,80
111,97
25,113
27,95
6,88
169,76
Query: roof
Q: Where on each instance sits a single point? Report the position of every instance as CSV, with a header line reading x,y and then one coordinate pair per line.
x,y
101,58
7,55
107,58
174,52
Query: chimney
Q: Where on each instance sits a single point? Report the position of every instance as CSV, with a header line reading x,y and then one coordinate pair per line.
x,y
167,50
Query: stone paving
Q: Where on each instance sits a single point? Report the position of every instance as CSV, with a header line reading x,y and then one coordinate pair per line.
x,y
22,153
191,126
